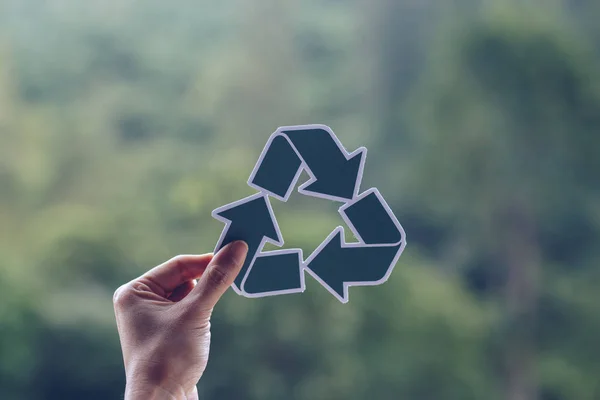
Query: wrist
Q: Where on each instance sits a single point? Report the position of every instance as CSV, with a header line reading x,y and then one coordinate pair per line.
x,y
151,381
150,392
142,391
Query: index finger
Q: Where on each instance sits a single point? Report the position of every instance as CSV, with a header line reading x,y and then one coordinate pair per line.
x,y
166,277
219,275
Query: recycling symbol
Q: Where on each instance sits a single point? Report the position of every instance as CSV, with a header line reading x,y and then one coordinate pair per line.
x,y
334,174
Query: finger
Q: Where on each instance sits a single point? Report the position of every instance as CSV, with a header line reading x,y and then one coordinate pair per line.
x,y
219,275
165,278
182,290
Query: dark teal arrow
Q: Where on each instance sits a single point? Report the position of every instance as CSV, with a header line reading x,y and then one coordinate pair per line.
x,y
251,220
276,272
336,174
372,220
338,265
277,169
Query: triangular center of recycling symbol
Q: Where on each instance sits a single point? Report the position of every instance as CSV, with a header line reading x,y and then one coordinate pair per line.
x,y
335,175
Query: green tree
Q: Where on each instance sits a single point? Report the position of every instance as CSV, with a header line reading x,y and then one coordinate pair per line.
x,y
509,121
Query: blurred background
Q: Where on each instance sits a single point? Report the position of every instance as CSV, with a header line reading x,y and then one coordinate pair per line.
x,y
124,123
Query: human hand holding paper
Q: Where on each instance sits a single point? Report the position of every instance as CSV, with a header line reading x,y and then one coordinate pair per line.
x,y
163,318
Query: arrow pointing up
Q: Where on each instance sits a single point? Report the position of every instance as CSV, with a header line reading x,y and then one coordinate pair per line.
x,y
251,220
335,173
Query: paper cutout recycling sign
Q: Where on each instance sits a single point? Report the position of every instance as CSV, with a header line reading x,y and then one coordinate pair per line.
x,y
334,174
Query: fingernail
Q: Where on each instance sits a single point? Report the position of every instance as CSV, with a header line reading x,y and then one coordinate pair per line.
x,y
234,253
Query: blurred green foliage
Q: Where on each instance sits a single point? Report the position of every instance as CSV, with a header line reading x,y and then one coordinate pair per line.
x,y
124,123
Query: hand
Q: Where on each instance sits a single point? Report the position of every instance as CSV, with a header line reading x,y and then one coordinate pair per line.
x,y
163,319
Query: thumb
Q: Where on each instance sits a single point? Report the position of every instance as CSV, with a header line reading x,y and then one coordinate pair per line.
x,y
219,275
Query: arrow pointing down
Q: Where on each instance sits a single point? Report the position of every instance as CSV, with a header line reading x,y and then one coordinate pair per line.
x,y
334,173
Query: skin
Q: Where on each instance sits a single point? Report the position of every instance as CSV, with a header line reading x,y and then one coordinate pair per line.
x,y
163,319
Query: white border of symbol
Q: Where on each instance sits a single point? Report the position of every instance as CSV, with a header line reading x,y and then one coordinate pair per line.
x,y
304,265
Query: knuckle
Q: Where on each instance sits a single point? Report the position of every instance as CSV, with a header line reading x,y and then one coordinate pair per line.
x,y
122,297
217,276
178,263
